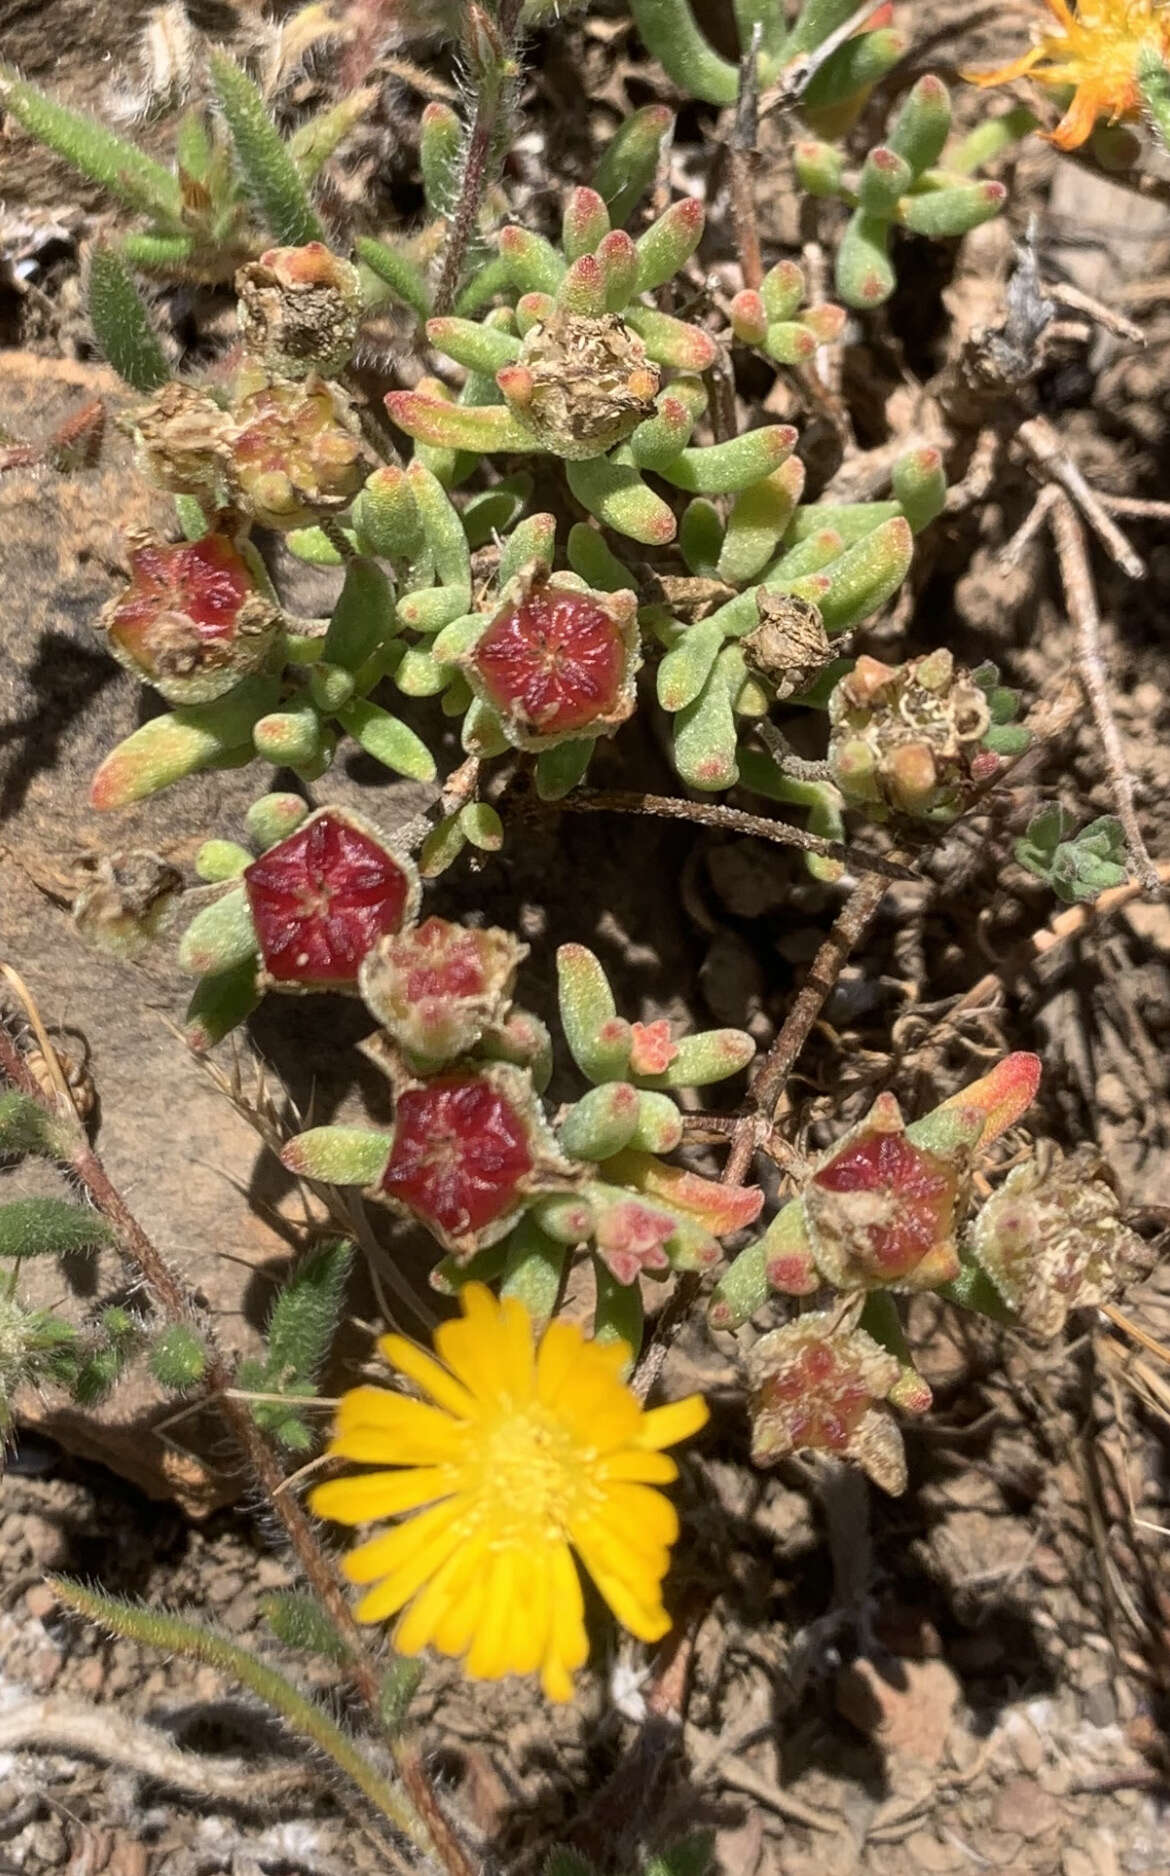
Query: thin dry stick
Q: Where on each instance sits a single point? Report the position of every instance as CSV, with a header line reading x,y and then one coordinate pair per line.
x,y
1047,451
731,820
180,1307
476,163
740,160
1081,598
848,929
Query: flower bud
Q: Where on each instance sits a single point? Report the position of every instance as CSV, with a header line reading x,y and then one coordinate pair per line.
x,y
299,310
556,662
191,622
436,988
321,898
584,383
297,453
816,1386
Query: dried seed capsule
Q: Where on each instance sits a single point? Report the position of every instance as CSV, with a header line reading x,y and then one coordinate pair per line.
x,y
183,443
556,662
297,454
581,384
822,1387
321,898
436,989
910,738
191,622
299,310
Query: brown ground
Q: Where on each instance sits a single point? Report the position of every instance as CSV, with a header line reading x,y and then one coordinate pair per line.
x,y
977,1676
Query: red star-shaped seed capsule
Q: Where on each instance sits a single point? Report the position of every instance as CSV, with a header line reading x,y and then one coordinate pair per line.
x,y
462,1151
191,621
323,897
880,1211
556,663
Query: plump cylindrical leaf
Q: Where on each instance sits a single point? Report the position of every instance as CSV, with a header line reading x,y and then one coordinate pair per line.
x,y
705,732
388,740
943,212
617,495
220,937
723,468
397,271
630,161
669,31
601,1123
923,125
338,1156
362,618
668,244
599,1040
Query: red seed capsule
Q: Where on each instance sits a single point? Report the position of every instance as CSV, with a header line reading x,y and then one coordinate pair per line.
x,y
323,897
191,622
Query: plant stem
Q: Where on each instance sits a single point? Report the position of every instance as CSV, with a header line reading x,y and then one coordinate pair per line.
x,y
1081,599
178,1306
476,165
732,820
848,929
740,161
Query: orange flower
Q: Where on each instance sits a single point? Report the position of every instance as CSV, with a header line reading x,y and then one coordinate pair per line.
x,y
1093,52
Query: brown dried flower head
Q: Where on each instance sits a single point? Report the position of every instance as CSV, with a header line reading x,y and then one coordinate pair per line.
x,y
906,738
1052,1239
582,384
789,647
121,909
299,310
183,442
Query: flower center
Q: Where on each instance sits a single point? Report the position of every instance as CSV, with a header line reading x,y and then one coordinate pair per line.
x,y
529,1477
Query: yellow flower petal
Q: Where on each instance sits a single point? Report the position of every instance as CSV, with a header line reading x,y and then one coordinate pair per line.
x,y
533,1609
645,1517
380,1556
487,1659
559,1355
428,1374
666,1426
394,1592
644,1617
446,1590
391,1430
630,1464
568,1644
371,1495
453,1634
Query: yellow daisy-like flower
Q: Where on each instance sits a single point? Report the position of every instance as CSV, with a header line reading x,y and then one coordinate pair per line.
x,y
1094,52
527,1450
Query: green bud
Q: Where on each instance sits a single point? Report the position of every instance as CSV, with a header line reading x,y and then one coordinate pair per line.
x,y
178,1359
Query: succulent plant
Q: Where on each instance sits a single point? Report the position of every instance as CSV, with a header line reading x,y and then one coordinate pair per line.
x,y
912,181
919,739
841,79
474,1157
884,1208
1078,863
